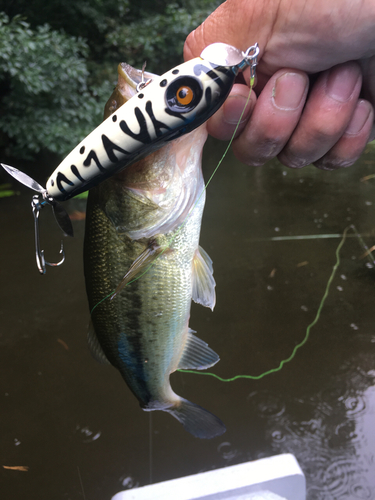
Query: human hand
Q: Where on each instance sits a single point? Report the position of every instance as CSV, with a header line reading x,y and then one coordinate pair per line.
x,y
325,121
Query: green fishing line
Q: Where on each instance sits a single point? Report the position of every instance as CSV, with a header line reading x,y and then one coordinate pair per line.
x,y
321,304
252,80
306,337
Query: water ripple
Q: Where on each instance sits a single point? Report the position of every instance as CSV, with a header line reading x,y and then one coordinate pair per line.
x,y
88,435
355,405
226,451
267,404
341,478
128,482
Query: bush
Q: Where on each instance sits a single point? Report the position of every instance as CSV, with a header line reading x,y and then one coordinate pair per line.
x,y
54,84
47,102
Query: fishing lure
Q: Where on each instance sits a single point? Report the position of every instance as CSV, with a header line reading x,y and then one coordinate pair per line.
x,y
170,106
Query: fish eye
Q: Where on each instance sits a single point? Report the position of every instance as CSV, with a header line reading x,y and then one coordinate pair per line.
x,y
183,94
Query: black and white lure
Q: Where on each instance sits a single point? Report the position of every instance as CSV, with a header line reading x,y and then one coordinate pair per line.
x,y
163,109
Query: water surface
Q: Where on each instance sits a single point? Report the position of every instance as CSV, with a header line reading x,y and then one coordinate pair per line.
x,y
77,428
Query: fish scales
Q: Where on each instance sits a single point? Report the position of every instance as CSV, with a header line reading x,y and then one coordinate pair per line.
x,y
144,329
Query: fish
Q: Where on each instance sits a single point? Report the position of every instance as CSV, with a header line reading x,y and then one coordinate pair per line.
x,y
143,266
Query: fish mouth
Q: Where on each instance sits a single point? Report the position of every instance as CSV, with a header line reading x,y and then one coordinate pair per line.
x,y
129,79
132,77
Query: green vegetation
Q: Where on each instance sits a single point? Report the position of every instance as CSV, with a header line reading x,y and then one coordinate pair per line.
x,y
58,62
6,191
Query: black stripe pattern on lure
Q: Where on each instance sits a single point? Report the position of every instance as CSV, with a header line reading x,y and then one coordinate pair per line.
x,y
164,109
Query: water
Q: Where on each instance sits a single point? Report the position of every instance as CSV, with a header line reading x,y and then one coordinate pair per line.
x,y
77,428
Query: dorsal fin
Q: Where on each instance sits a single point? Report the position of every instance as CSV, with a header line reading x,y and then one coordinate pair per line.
x,y
203,280
197,355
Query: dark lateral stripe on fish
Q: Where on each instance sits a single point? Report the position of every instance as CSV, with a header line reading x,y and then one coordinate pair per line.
x,y
130,344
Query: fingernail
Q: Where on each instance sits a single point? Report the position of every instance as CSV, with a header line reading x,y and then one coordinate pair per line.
x,y
233,108
289,90
341,81
359,118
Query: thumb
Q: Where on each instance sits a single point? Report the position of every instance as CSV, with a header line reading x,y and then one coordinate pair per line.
x,y
235,22
220,26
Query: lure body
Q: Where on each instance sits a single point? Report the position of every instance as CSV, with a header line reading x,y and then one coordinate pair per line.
x,y
163,109
154,116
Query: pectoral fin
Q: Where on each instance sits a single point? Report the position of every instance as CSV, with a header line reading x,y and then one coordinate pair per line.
x,y
203,280
197,355
94,346
140,265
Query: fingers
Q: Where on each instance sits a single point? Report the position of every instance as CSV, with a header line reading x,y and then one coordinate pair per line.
x,y
330,128
327,115
275,116
350,146
368,90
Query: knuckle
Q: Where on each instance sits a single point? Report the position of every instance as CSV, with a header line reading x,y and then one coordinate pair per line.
x,y
330,162
333,164
261,152
291,160
248,159
326,131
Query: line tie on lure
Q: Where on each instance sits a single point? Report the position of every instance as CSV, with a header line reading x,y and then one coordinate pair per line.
x,y
170,106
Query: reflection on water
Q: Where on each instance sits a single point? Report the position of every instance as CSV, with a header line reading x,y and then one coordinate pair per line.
x,y
87,435
62,413
335,443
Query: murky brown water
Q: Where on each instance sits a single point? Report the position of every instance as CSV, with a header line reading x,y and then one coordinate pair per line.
x,y
72,421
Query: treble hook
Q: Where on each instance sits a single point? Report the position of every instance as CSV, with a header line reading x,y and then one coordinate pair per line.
x,y
142,84
41,262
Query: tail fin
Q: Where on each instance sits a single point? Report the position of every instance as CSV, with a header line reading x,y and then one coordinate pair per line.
x,y
196,420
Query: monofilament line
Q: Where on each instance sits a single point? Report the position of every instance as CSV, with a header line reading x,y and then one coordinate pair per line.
x,y
306,337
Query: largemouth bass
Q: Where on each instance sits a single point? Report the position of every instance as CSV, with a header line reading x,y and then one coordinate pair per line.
x,y
142,242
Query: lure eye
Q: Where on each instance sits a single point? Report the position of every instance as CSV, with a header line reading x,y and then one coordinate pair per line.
x,y
183,94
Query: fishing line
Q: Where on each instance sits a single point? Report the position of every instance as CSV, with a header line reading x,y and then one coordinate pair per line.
x,y
80,480
150,444
306,337
252,80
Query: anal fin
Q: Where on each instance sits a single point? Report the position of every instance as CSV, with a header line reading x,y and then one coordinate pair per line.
x,y
197,355
203,280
